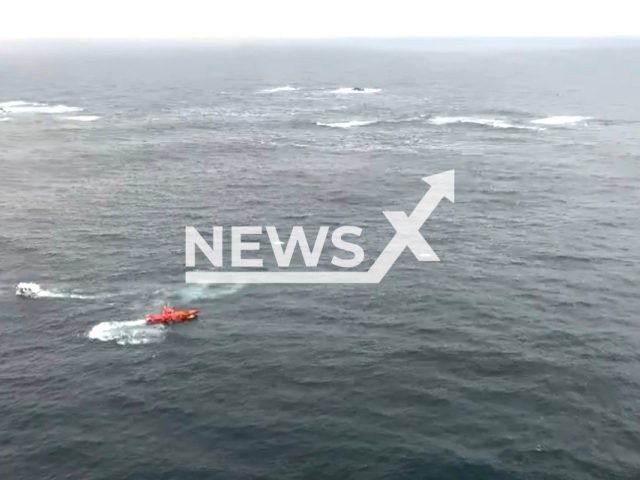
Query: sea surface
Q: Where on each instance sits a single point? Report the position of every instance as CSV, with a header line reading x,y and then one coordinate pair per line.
x,y
517,356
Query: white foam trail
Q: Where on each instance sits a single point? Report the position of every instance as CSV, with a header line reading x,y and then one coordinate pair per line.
x,y
351,90
353,123
279,89
489,122
560,120
30,107
54,294
133,332
49,294
83,118
36,291
4,119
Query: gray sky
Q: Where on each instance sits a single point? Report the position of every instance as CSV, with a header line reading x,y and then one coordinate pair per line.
x,y
320,18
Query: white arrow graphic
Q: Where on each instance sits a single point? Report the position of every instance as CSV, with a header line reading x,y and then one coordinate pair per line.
x,y
407,235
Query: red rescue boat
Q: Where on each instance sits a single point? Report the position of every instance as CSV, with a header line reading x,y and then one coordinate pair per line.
x,y
169,315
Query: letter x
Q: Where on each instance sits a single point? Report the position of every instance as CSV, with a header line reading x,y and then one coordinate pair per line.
x,y
408,235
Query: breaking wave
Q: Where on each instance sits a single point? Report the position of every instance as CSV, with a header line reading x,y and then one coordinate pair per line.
x,y
351,90
361,123
132,332
83,118
278,89
19,106
560,120
15,103
353,123
488,122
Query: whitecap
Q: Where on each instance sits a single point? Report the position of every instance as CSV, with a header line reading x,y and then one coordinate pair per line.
x,y
20,106
14,103
353,123
489,122
351,90
560,120
279,89
83,118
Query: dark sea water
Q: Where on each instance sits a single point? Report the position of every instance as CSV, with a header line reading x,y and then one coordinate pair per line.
x,y
515,357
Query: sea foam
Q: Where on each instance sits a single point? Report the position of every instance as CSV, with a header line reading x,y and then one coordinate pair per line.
x,y
278,89
132,332
560,120
351,90
352,123
83,118
488,122
19,106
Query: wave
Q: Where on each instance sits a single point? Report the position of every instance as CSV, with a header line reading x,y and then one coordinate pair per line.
x,y
560,120
20,106
407,119
132,332
360,123
353,123
5,119
351,90
15,103
279,89
83,118
488,122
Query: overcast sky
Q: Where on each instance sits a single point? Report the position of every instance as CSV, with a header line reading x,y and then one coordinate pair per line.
x,y
319,18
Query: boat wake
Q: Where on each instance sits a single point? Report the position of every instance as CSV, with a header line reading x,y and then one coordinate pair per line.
x,y
33,290
132,332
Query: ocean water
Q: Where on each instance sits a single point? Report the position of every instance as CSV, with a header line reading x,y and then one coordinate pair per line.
x,y
514,357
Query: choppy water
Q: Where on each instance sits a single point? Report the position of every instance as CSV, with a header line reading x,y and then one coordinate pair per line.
x,y
515,357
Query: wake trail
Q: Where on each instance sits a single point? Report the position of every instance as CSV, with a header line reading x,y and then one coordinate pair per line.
x,y
128,332
33,290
